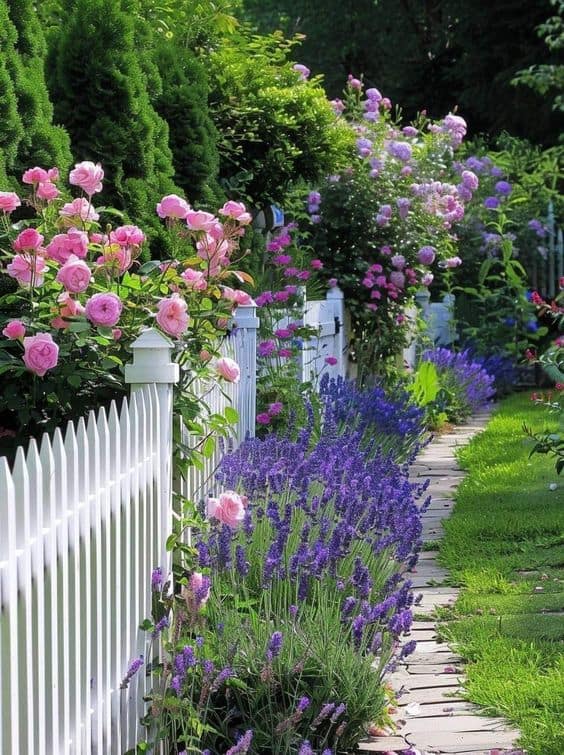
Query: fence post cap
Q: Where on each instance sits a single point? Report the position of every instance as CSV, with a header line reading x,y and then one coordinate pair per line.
x,y
334,293
245,315
152,363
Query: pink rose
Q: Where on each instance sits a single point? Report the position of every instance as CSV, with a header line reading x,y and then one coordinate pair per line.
x,y
27,268
79,208
53,174
14,329
237,211
9,201
103,309
69,308
28,240
172,206
316,264
228,508
41,353
74,275
172,316
236,296
198,220
453,261
48,191
263,418
35,176
194,279
128,235
88,176
63,245
116,258
228,369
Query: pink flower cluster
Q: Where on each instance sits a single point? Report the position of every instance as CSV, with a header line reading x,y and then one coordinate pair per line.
x,y
228,508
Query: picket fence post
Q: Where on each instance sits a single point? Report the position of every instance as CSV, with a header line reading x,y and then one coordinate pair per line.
x,y
246,328
152,363
336,299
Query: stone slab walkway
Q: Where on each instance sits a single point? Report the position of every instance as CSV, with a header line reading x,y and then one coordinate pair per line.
x,y
432,715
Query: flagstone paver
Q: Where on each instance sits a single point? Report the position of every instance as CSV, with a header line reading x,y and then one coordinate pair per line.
x,y
432,716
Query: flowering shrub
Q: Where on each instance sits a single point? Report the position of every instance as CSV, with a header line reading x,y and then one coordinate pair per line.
x,y
78,296
306,549
286,344
386,222
465,385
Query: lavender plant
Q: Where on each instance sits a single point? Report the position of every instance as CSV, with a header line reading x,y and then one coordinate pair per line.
x,y
465,384
295,593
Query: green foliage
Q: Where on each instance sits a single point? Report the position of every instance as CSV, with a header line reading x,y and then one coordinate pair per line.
x,y
503,544
43,143
548,77
433,55
100,88
274,129
183,104
426,391
11,127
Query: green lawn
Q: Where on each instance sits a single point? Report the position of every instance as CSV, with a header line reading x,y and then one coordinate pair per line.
x,y
504,545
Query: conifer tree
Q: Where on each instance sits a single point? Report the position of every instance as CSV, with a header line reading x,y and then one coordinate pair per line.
x,y
43,143
11,128
99,88
183,103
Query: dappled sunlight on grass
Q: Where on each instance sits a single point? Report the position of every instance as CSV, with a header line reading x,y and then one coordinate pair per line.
x,y
504,546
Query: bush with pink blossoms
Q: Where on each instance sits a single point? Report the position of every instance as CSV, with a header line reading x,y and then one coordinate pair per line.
x,y
399,198
76,297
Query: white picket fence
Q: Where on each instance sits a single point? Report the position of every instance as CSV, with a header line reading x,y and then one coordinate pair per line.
x,y
327,316
85,518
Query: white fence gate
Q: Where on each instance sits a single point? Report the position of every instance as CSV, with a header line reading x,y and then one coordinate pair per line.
x,y
327,317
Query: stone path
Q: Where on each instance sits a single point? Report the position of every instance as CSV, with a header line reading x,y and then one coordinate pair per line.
x,y
432,715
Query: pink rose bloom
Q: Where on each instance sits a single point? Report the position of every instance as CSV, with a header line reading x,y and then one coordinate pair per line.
x,y
35,176
194,279
228,369
88,176
172,316
63,245
354,83
331,361
398,279
14,329
116,258
74,275
116,334
28,240
9,201
26,268
427,279
41,353
48,191
173,206
237,211
317,264
198,220
128,235
453,262
263,418
69,308
228,508
103,309
79,208
303,71
53,174
236,296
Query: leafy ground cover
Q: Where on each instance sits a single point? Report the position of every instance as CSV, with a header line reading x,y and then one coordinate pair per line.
x,y
504,546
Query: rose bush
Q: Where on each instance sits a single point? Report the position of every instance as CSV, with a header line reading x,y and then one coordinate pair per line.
x,y
78,297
